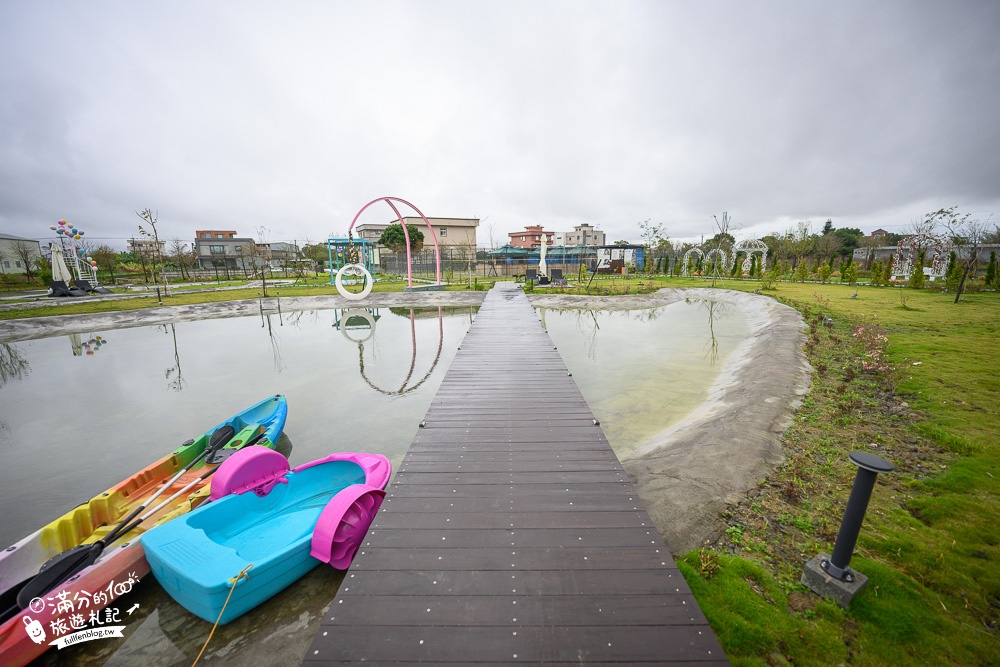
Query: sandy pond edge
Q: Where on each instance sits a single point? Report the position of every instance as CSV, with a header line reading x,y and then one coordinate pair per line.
x,y
685,475
688,474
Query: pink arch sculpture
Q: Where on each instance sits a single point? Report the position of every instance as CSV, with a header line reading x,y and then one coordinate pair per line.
x,y
406,234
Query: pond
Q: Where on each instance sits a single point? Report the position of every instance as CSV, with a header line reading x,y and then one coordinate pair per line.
x,y
81,412
643,370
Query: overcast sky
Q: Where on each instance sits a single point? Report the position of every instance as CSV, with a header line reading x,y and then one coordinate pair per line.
x,y
281,120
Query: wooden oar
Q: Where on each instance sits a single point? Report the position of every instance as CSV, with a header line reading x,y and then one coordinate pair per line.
x,y
61,567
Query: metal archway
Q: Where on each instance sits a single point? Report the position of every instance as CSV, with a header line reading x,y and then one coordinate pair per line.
x,y
406,234
720,257
687,256
406,387
750,246
907,250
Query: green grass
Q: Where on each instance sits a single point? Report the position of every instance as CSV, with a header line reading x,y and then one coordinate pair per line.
x,y
930,544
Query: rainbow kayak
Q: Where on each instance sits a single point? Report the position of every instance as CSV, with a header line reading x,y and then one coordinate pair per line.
x,y
28,628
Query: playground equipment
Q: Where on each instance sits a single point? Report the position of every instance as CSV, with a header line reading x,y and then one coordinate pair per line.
x,y
351,257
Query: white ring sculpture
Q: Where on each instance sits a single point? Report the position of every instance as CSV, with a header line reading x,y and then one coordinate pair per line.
x,y
357,312
353,270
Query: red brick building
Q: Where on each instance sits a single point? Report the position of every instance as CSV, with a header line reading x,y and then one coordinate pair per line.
x,y
530,238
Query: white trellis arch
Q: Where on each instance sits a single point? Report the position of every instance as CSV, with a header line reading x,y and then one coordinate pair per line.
x,y
938,247
687,256
721,259
750,246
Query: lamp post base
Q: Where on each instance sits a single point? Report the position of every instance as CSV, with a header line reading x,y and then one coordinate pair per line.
x,y
819,581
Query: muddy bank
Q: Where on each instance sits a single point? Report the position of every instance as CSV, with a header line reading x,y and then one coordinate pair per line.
x,y
61,325
687,474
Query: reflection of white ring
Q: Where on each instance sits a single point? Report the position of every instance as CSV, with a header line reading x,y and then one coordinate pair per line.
x,y
357,312
358,270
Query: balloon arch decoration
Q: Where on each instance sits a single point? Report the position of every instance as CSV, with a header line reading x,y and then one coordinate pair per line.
x,y
749,246
355,268
908,249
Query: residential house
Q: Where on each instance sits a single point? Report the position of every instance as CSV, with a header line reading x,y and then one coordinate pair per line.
x,y
530,238
450,232
222,249
147,247
15,250
584,235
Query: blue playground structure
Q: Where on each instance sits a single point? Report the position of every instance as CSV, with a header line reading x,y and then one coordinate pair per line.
x,y
344,251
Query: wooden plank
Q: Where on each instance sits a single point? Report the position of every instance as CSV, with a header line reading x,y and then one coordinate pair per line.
x,y
445,557
583,502
494,582
512,519
523,644
567,610
506,537
510,533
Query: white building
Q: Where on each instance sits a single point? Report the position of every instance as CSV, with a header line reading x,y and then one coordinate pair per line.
x,y
14,250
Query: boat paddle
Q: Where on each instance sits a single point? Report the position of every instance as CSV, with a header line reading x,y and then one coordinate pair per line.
x,y
61,567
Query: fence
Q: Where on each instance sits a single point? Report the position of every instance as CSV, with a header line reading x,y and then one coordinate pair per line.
x,y
458,264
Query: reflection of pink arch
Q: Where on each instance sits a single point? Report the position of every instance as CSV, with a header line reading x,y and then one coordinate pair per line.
x,y
409,262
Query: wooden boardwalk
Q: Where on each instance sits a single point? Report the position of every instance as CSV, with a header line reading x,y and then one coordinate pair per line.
x,y
511,534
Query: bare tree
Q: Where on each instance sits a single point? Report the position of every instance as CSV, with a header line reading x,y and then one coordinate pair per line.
x,y
870,243
652,236
107,257
182,256
27,253
723,226
827,246
968,235
150,219
13,364
801,240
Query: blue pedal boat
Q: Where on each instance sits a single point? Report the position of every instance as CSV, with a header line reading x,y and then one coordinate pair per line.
x,y
265,528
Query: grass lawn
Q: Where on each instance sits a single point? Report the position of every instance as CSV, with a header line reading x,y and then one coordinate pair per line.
x,y
930,544
926,397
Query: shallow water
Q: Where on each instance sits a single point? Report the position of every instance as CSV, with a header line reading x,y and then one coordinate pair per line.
x,y
641,371
74,424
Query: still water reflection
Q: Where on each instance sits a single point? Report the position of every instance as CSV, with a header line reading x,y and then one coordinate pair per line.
x,y
73,423
77,417
643,370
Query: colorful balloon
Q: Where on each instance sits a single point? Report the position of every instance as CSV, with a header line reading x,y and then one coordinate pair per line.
x,y
93,263
52,227
76,236
59,231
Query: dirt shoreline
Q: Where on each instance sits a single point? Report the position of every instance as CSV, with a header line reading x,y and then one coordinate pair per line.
x,y
685,475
